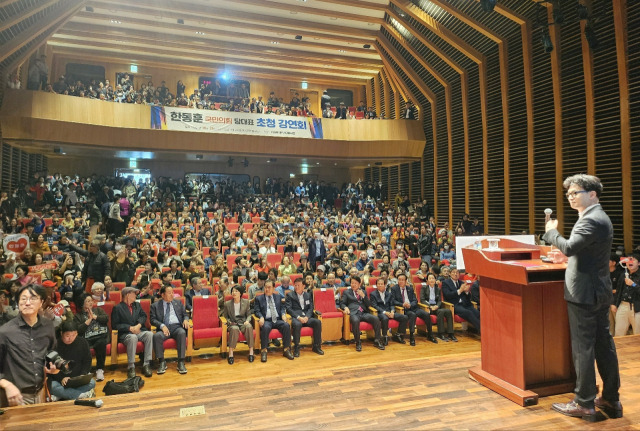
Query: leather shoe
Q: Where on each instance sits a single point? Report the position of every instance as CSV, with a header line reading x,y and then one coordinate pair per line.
x,y
385,340
453,338
181,368
443,338
230,360
131,373
432,339
378,344
611,409
412,340
263,356
575,410
146,370
318,350
162,368
398,339
275,342
251,358
296,352
287,354
358,346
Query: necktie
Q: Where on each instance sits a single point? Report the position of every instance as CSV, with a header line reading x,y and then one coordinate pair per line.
x,y
272,307
167,314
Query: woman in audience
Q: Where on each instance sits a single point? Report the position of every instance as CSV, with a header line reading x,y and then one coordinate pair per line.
x,y
92,323
22,275
286,267
237,312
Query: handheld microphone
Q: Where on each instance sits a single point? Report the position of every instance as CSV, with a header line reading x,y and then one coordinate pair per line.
x,y
89,403
547,214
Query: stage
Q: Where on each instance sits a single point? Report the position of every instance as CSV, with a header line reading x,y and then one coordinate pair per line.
x,y
422,387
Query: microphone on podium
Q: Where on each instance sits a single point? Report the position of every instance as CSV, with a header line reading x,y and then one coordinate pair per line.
x,y
547,214
89,403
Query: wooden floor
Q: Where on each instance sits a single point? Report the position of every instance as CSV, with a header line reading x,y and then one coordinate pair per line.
x,y
422,387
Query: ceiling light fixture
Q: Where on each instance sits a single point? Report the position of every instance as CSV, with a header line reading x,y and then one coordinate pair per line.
x,y
200,33
298,37
275,42
115,21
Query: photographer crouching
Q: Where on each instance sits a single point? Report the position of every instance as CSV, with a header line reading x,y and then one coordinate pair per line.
x,y
25,341
73,359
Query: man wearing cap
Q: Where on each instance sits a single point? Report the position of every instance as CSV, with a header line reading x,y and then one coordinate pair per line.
x,y
304,266
355,304
299,305
129,319
96,264
342,112
627,300
317,250
272,315
171,320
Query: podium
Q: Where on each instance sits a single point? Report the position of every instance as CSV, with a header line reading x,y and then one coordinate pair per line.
x,y
526,347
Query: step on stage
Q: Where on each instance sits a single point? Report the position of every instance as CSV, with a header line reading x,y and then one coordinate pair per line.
x,y
425,387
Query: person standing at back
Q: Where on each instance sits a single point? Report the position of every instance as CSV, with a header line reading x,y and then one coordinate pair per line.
x,y
587,290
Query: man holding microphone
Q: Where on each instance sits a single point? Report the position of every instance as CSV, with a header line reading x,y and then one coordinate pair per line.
x,y
588,294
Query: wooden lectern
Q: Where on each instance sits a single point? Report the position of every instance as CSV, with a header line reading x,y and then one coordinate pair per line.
x,y
526,348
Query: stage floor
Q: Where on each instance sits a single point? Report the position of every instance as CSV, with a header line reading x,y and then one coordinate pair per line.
x,y
422,387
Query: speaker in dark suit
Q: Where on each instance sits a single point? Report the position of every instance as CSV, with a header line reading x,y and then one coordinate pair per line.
x,y
431,296
382,301
299,305
587,290
268,308
171,320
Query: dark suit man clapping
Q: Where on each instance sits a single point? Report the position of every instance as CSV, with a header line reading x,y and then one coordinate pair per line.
x,y
299,305
587,290
269,310
382,301
459,294
355,303
171,319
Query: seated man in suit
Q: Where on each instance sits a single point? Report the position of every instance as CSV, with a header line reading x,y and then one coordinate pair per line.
x,y
459,294
268,308
171,320
197,289
355,303
299,305
129,319
431,296
405,297
382,301
237,311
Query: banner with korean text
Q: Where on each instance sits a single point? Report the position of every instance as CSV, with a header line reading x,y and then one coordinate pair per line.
x,y
237,123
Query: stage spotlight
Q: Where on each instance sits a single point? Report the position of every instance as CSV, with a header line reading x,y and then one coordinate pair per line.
x,y
546,41
245,163
488,5
583,12
230,162
558,15
591,37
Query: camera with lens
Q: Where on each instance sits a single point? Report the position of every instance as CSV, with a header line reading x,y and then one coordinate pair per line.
x,y
54,358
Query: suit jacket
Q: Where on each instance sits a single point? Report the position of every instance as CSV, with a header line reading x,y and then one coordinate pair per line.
x,y
424,295
293,304
158,308
398,298
450,293
586,279
228,311
349,300
312,252
122,319
260,306
188,296
378,304
341,113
